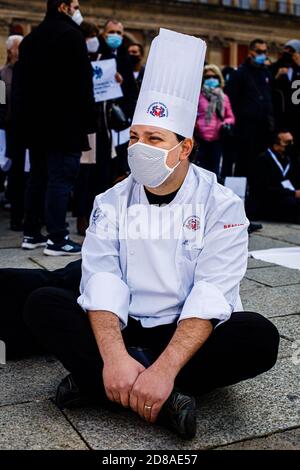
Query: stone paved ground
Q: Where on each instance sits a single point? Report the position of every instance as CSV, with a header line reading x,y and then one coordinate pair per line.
x,y
263,413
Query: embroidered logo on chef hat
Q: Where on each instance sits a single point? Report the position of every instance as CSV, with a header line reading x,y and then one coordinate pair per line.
x,y
192,223
158,110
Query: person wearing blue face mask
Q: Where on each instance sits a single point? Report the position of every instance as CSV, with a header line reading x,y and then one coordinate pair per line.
x,y
214,112
113,34
108,170
250,93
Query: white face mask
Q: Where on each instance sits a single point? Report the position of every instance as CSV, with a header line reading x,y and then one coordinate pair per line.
x,y
77,17
92,45
148,164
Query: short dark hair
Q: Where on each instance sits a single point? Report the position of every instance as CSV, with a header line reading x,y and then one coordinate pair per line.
x,y
111,20
137,44
193,153
278,132
89,29
256,41
52,5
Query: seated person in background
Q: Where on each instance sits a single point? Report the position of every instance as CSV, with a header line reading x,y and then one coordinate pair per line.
x,y
159,318
276,190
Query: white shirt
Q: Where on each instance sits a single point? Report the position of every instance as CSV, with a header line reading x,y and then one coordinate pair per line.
x,y
164,264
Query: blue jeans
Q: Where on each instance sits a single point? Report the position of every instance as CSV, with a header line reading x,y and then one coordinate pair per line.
x,y
52,178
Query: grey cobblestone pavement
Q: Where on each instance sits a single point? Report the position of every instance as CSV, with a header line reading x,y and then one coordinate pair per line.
x,y
263,413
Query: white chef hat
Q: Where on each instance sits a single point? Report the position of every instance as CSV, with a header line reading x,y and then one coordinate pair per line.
x,y
172,81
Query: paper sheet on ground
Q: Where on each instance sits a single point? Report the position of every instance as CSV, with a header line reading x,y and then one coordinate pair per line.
x,y
288,257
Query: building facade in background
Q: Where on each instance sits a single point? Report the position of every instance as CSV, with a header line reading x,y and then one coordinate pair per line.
x,y
227,25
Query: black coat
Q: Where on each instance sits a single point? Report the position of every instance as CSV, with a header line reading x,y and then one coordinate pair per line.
x,y
287,113
250,93
268,192
53,103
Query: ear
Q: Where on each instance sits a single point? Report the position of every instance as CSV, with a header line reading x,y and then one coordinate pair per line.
x,y
186,149
63,8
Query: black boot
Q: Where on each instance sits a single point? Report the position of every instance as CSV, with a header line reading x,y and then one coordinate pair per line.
x,y
179,411
68,394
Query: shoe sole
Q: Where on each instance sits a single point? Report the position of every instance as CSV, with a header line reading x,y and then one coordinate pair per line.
x,y
189,428
48,252
31,246
190,425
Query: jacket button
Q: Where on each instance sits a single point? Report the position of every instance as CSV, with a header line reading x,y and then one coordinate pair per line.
x,y
132,253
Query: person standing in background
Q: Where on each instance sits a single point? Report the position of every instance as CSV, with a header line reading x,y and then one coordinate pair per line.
x,y
214,113
136,53
286,71
250,93
54,82
15,151
83,194
112,46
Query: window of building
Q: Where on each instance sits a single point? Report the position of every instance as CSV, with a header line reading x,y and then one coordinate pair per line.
x,y
227,3
244,4
297,7
261,5
282,6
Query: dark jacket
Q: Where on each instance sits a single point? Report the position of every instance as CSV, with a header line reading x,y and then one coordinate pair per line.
x,y
249,90
268,190
53,103
124,67
287,113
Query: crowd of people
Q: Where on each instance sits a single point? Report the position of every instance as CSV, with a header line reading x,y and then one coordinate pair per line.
x,y
150,316
247,125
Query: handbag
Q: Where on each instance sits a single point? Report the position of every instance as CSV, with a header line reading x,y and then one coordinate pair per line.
x,y
116,118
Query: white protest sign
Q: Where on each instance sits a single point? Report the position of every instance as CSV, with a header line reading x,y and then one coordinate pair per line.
x,y
5,163
105,85
2,143
27,162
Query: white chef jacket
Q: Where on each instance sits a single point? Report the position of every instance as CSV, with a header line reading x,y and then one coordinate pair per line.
x,y
134,264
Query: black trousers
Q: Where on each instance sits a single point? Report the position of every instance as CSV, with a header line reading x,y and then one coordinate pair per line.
x,y
52,178
16,183
16,285
209,155
285,210
252,139
241,348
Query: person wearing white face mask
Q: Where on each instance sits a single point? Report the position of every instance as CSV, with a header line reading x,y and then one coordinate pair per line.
x,y
166,249
53,80
71,8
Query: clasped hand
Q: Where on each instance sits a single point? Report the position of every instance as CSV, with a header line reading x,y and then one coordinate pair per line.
x,y
128,383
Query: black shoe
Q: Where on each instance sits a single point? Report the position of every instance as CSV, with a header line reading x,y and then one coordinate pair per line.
x,y
179,411
68,394
30,243
253,227
65,248
179,414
